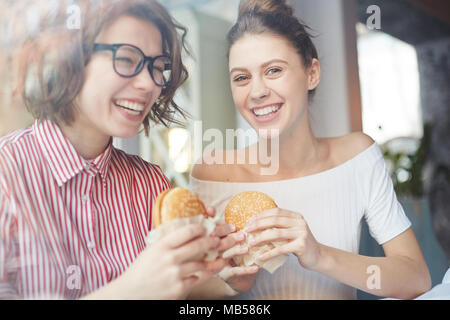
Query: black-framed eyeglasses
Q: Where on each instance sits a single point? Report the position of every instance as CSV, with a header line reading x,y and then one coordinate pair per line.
x,y
129,60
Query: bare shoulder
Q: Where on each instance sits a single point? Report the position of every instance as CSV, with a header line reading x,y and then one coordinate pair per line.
x,y
349,146
214,167
358,141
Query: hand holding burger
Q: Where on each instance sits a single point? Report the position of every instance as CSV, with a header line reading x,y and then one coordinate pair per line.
x,y
291,231
176,203
177,207
240,209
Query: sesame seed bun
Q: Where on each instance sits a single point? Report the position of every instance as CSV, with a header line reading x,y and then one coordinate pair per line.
x,y
246,204
176,203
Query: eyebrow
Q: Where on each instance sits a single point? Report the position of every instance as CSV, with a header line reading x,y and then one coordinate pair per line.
x,y
265,64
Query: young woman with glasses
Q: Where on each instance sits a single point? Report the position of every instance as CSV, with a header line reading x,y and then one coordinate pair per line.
x,y
75,211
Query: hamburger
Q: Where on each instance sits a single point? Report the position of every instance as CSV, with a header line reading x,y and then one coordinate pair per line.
x,y
245,205
238,211
176,203
175,208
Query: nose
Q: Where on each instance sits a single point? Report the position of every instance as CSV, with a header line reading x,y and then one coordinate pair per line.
x,y
143,81
259,89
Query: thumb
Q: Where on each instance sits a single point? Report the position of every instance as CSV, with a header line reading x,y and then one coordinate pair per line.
x,y
211,211
215,266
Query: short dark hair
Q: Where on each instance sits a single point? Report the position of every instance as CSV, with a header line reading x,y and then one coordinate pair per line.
x,y
58,58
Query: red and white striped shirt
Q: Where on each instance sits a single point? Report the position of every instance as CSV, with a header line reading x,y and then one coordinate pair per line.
x,y
68,226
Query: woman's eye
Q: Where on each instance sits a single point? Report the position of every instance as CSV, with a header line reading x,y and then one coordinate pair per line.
x,y
125,60
273,71
240,78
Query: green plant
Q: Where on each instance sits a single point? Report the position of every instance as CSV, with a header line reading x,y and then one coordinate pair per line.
x,y
407,169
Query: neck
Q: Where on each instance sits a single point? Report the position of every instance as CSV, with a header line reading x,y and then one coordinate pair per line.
x,y
88,143
298,150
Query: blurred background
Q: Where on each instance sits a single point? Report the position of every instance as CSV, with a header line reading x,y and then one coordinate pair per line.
x,y
385,71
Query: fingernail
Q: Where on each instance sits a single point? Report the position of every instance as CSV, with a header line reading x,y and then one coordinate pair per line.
x,y
240,236
233,227
244,250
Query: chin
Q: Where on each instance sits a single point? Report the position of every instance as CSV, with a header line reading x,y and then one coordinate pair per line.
x,y
268,134
126,134
273,131
268,131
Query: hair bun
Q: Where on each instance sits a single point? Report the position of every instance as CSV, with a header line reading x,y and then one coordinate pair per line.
x,y
265,6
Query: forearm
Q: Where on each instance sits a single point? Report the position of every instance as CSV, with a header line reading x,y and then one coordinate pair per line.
x,y
215,288
115,290
395,277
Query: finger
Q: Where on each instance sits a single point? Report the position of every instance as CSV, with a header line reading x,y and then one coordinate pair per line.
x,y
215,266
183,235
230,272
278,251
203,276
182,289
234,252
268,222
189,268
274,212
230,241
223,229
275,234
210,211
190,282
195,248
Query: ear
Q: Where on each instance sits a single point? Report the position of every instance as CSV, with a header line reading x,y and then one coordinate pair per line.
x,y
314,74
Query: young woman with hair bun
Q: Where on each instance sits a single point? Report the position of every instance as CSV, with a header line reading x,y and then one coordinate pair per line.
x,y
324,187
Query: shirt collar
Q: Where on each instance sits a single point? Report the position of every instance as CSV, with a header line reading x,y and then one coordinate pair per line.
x,y
65,162
102,163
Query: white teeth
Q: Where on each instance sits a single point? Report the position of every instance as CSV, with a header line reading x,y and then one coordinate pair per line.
x,y
266,110
135,113
132,106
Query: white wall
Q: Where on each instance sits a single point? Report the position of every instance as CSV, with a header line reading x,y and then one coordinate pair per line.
x,y
338,94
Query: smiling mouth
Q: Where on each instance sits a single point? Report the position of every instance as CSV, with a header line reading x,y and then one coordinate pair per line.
x,y
131,107
266,111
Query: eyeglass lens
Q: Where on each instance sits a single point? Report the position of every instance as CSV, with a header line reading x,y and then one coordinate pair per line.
x,y
128,62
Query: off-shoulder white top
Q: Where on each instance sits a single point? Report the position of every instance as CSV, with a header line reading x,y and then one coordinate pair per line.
x,y
333,203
